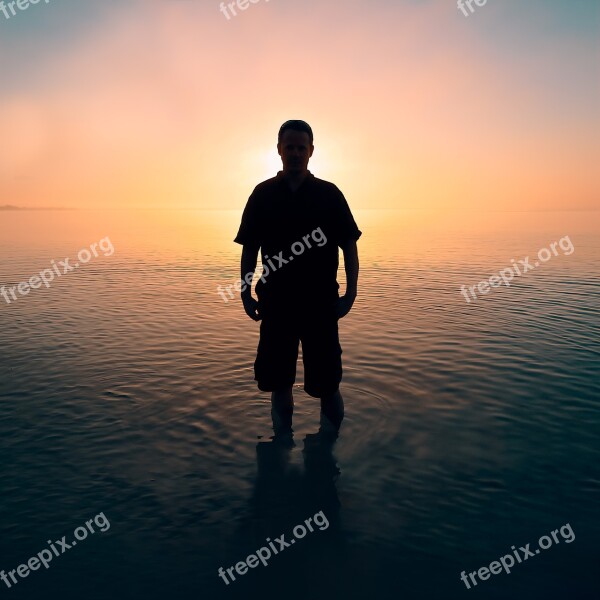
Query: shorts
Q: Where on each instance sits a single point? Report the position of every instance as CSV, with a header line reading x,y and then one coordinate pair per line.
x,y
316,327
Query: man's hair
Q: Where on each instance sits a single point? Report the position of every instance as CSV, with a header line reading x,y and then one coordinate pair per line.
x,y
296,125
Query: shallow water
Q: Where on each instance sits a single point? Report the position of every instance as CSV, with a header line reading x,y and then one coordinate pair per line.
x,y
127,388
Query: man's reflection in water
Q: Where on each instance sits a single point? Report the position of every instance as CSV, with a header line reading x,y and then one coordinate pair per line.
x,y
286,495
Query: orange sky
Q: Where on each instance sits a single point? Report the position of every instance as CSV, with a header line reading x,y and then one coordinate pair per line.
x,y
155,104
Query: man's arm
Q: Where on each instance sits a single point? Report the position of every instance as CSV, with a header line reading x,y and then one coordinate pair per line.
x,y
248,266
351,266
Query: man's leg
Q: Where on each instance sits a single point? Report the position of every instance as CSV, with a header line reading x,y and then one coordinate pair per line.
x,y
322,356
275,364
282,409
332,407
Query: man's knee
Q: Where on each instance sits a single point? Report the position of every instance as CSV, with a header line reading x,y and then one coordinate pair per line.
x,y
329,397
283,389
282,396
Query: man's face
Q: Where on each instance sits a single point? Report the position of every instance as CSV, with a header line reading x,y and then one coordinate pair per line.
x,y
295,150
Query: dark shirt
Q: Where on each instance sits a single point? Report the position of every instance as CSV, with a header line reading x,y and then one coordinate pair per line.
x,y
277,219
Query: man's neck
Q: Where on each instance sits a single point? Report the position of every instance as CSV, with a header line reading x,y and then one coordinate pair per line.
x,y
295,180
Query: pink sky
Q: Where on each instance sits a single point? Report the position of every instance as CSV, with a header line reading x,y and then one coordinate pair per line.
x,y
413,105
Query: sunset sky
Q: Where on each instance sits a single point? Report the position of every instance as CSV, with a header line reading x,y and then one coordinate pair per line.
x,y
143,103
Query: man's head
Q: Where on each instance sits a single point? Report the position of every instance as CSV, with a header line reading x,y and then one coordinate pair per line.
x,y
295,146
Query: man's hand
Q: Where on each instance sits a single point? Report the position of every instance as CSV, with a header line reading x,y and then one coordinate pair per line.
x,y
344,304
251,307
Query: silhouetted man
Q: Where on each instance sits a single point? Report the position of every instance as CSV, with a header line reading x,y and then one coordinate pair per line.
x,y
297,294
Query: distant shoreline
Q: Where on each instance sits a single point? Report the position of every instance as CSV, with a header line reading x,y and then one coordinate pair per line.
x,y
16,208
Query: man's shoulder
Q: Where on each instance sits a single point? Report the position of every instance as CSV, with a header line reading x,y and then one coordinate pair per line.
x,y
268,186
326,186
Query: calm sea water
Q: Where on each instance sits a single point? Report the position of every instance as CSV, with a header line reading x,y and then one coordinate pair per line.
x,y
127,388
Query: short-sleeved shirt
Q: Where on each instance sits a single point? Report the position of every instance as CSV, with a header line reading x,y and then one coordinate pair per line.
x,y
305,228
